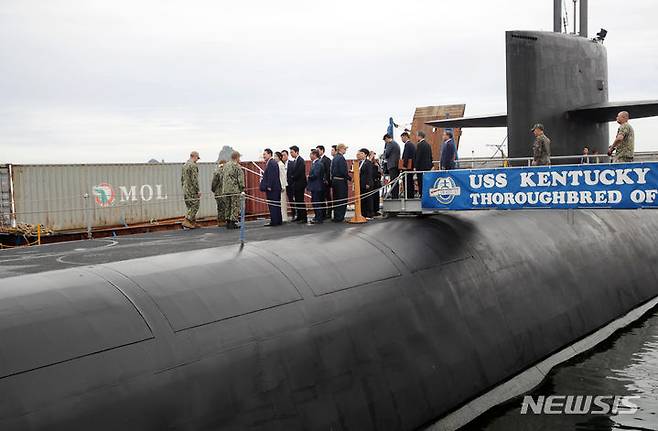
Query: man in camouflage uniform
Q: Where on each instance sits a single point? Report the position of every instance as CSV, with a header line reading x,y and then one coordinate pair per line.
x,y
624,144
190,182
232,186
541,148
216,187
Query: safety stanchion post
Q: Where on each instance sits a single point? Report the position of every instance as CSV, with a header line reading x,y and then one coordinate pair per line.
x,y
243,201
87,214
358,218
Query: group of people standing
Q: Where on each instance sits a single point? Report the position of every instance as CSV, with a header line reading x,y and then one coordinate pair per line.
x,y
415,157
227,185
285,183
621,150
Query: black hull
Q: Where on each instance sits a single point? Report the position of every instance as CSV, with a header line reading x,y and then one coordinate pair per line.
x,y
386,326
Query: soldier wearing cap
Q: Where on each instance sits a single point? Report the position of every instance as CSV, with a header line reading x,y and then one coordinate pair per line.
x,y
232,187
624,144
541,148
216,187
192,195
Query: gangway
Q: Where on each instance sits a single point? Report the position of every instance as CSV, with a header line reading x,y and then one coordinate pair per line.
x,y
591,182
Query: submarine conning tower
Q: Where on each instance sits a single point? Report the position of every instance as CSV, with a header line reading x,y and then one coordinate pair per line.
x,y
546,73
561,81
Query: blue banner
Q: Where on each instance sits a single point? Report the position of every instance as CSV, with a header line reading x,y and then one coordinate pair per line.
x,y
627,185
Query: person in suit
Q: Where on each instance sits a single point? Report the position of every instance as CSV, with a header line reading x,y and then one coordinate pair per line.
x,y
408,156
271,185
365,181
423,160
339,178
448,152
326,162
289,163
316,185
376,183
298,185
391,161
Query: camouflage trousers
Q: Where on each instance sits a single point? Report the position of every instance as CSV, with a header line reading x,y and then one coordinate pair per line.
x,y
221,208
192,205
232,208
623,159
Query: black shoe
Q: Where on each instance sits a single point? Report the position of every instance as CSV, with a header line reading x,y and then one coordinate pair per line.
x,y
337,221
302,221
316,221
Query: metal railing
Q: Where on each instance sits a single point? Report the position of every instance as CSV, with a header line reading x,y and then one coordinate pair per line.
x,y
475,162
499,162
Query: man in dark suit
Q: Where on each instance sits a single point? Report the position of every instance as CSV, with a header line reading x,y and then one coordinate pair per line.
x,y
298,185
316,186
448,151
289,163
271,185
392,159
339,178
326,162
366,181
408,156
423,161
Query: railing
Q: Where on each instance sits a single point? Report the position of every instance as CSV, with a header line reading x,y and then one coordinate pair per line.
x,y
497,162
475,162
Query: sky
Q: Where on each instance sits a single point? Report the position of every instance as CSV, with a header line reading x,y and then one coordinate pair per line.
x,y
88,81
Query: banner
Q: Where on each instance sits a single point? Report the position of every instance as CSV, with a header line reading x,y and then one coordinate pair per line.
x,y
627,185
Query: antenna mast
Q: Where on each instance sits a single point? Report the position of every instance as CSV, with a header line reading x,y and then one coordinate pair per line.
x,y
557,16
583,18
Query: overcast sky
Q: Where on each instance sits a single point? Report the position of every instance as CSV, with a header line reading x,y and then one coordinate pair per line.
x,y
126,81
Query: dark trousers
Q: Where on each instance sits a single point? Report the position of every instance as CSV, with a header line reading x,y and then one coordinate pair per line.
x,y
339,193
327,200
420,184
317,198
300,205
374,199
394,173
291,201
274,207
366,203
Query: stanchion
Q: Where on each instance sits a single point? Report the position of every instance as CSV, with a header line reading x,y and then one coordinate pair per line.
x,y
243,199
39,234
358,218
88,214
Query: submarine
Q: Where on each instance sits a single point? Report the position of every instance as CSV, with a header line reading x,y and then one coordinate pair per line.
x,y
387,326
400,324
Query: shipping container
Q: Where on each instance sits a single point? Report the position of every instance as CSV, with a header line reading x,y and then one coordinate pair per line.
x,y
78,197
5,195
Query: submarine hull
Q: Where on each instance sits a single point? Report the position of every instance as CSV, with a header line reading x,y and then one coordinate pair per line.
x,y
387,326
